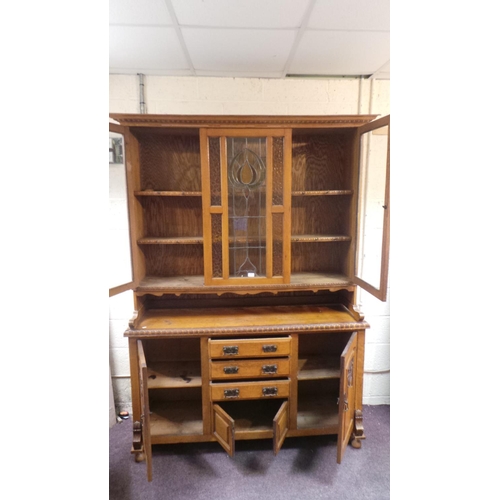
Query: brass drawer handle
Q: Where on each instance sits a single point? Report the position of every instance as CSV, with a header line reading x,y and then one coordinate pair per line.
x,y
269,369
229,370
230,350
269,391
231,393
270,348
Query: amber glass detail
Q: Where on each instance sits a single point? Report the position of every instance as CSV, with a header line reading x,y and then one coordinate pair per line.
x,y
277,170
215,176
277,244
217,245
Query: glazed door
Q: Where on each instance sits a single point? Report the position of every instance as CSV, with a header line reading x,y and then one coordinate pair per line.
x,y
372,239
121,269
145,422
347,395
246,178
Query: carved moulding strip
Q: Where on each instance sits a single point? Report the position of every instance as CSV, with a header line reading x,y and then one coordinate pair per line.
x,y
248,330
240,121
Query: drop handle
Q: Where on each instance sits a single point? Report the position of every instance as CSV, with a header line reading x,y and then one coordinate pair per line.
x,y
270,348
230,350
231,393
269,369
269,391
229,370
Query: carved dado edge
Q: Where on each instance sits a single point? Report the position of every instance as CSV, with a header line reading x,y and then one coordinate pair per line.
x,y
256,330
240,121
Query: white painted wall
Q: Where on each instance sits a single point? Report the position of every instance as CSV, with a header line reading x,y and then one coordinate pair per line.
x,y
218,96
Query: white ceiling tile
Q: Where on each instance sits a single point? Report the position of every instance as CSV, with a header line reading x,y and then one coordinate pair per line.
x,y
139,12
153,48
236,50
340,53
350,15
240,14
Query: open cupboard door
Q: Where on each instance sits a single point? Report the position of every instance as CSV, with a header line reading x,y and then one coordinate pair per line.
x,y
223,429
120,253
347,395
280,427
372,238
145,422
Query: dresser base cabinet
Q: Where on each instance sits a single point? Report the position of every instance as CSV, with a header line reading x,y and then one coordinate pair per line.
x,y
233,381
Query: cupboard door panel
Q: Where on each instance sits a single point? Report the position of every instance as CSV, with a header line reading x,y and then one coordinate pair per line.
x,y
223,429
347,395
145,421
280,427
372,239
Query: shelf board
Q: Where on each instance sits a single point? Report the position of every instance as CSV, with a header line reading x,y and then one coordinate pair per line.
x,y
317,413
167,193
177,418
174,240
196,284
318,367
335,192
311,238
174,374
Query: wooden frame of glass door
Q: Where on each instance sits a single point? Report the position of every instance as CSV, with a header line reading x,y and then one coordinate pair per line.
x,y
218,206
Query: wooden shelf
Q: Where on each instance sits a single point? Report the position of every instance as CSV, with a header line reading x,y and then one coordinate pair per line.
x,y
252,416
167,193
196,284
177,418
174,374
335,192
311,238
317,413
175,240
318,367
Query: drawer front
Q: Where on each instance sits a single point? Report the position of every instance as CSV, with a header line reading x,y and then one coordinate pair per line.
x,y
249,348
250,368
250,390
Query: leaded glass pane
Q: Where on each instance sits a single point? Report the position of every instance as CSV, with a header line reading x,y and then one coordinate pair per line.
x,y
246,175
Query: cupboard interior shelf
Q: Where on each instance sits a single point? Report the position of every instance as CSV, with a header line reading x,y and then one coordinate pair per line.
x,y
317,412
311,238
176,418
198,240
318,367
334,192
176,240
167,193
174,374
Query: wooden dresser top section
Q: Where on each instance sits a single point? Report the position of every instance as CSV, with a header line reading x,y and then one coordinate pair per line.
x,y
268,320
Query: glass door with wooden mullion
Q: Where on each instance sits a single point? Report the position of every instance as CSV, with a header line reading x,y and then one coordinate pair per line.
x,y
372,238
246,175
120,257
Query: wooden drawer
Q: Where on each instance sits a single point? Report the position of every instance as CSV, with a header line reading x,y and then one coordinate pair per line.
x,y
249,348
250,390
249,368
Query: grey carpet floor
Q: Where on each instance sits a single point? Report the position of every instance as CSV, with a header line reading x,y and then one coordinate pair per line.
x,y
305,468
